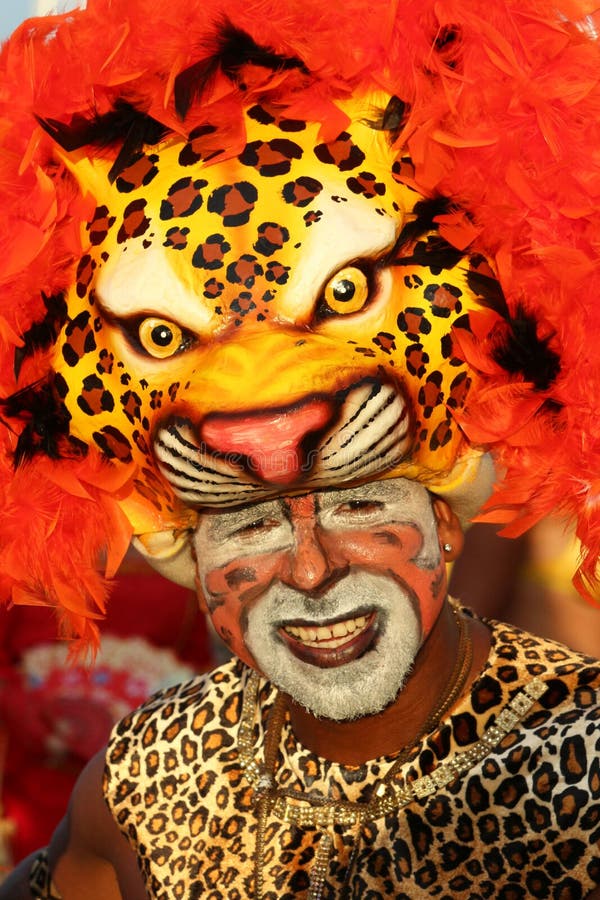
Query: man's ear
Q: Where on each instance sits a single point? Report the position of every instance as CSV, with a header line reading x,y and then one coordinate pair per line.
x,y
201,598
449,530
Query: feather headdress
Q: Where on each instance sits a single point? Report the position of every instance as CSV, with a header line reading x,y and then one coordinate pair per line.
x,y
500,112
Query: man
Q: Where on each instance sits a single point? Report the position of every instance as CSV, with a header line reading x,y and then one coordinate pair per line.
x,y
268,259
399,747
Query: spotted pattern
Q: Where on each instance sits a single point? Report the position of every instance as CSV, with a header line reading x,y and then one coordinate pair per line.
x,y
139,173
342,153
524,822
135,221
271,157
183,199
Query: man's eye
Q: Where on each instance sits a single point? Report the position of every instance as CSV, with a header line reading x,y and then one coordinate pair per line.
x,y
161,338
359,507
258,526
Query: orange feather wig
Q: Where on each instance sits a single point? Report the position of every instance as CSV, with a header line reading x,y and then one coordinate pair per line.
x,y
500,113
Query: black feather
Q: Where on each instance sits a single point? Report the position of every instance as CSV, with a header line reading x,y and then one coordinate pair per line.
x,y
45,422
124,124
391,119
425,211
523,352
448,45
42,334
488,291
235,48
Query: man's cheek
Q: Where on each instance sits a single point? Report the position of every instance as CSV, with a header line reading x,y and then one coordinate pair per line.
x,y
224,604
392,550
229,629
433,596
227,584
381,549
232,589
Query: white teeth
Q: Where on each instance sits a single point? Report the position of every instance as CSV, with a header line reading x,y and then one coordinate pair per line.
x,y
327,636
339,629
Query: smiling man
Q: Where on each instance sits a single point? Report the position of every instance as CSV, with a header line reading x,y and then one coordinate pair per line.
x,y
278,281
350,584
369,737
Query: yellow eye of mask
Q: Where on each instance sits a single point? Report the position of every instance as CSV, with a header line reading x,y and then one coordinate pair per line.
x,y
347,291
159,337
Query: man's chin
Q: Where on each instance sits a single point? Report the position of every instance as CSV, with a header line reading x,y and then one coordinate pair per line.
x,y
344,708
342,657
347,712
341,693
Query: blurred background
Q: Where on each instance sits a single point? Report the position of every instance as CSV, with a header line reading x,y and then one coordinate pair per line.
x,y
12,12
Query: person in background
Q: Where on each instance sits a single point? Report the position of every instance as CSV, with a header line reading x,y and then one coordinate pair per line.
x,y
55,714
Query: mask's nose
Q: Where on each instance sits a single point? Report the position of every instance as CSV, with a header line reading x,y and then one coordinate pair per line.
x,y
275,445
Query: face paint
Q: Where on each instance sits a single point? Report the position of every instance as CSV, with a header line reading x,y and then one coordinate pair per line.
x,y
329,595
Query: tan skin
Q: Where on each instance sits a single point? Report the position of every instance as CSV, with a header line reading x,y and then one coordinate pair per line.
x,y
92,861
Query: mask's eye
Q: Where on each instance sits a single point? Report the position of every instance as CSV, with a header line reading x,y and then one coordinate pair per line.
x,y
347,292
160,338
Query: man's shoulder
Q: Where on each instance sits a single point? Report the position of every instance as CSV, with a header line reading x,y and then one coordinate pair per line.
x,y
517,657
196,701
536,652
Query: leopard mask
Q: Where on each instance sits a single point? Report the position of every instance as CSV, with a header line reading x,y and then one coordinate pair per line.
x,y
278,321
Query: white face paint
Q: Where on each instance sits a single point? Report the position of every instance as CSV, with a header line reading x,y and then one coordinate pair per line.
x,y
329,595
359,687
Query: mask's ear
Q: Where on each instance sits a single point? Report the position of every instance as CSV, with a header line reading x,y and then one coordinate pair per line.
x,y
449,529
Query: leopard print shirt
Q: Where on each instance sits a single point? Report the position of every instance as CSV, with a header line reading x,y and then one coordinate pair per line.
x,y
522,821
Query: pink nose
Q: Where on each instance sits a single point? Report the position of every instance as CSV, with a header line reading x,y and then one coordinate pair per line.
x,y
275,444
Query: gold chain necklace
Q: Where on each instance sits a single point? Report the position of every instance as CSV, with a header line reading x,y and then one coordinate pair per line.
x,y
326,813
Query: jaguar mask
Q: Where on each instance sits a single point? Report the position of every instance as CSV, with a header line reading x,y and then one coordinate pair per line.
x,y
277,321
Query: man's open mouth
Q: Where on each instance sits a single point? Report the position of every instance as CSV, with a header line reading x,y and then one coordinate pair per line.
x,y
332,644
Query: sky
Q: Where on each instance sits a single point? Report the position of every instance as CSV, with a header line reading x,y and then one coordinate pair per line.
x,y
12,12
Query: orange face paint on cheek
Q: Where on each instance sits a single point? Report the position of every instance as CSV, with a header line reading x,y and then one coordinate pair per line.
x,y
394,550
231,589
383,547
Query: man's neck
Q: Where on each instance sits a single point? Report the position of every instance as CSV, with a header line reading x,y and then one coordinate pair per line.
x,y
400,723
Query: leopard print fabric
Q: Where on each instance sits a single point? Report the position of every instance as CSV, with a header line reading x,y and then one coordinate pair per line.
x,y
524,822
40,879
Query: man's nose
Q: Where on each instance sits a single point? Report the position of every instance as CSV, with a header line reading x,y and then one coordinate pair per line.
x,y
309,565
